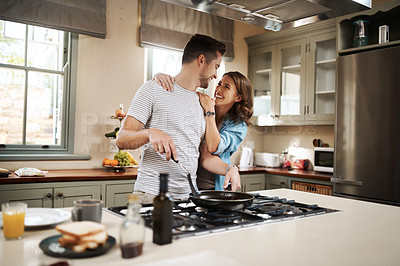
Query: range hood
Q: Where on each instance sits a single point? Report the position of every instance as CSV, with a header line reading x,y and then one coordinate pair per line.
x,y
275,14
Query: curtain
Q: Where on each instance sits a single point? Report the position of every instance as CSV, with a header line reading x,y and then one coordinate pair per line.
x,y
170,26
79,16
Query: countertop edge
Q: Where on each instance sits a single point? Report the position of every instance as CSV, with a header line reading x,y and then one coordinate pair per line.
x,y
68,175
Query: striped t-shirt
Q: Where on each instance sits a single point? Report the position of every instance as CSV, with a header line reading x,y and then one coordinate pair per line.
x,y
180,115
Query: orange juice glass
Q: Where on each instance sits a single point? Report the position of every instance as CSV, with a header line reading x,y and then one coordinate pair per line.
x,y
13,219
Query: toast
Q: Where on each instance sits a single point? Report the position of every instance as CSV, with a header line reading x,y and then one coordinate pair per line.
x,y
81,229
80,236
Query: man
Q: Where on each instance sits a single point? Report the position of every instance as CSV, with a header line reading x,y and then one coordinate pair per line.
x,y
172,123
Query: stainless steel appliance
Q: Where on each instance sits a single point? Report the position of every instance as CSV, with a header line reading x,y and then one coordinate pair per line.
x,y
367,132
189,220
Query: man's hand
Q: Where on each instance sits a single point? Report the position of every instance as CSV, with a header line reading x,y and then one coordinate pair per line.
x,y
233,177
162,143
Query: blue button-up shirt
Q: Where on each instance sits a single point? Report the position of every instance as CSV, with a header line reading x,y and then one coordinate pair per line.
x,y
231,136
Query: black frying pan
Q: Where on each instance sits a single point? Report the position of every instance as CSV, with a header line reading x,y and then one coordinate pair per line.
x,y
226,200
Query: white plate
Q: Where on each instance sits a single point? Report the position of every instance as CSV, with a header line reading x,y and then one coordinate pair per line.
x,y
42,217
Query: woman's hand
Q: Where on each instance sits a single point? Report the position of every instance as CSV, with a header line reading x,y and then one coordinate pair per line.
x,y
206,102
166,81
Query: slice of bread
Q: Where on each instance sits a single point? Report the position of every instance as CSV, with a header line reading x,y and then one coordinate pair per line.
x,y
80,229
80,236
98,238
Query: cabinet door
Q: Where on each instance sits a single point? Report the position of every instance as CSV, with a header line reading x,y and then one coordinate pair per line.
x,y
65,196
262,65
291,67
253,182
117,194
36,198
322,78
276,181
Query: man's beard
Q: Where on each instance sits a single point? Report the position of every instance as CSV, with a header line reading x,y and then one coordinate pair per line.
x,y
204,81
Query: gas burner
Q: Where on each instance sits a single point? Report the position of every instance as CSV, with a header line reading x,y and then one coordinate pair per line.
x,y
238,220
189,220
201,209
188,226
186,214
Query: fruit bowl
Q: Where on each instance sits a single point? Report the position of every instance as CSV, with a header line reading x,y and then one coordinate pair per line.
x,y
120,169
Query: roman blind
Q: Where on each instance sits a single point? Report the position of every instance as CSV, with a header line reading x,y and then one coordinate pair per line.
x,y
79,16
170,26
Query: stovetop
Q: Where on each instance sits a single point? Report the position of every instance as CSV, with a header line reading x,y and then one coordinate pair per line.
x,y
189,220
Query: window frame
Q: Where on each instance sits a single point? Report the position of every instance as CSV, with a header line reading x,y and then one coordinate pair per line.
x,y
65,150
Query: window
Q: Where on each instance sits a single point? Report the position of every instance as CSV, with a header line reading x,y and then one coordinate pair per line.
x,y
170,62
163,61
36,90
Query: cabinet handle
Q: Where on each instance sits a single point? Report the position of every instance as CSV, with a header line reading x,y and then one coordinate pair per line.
x,y
308,109
49,195
60,194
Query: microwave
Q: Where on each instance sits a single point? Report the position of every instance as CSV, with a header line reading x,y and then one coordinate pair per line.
x,y
323,159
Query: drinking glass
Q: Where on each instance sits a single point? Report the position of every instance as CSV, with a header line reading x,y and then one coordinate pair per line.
x,y
13,219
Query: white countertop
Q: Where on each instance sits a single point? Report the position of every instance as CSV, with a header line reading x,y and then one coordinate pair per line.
x,y
361,233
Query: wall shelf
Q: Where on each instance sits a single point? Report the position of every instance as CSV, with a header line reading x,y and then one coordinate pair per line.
x,y
324,62
263,71
368,47
386,14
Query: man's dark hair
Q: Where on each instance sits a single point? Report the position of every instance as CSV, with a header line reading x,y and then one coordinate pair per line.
x,y
202,44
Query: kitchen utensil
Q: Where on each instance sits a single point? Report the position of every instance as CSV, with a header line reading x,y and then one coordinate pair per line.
x,y
13,219
36,218
226,200
383,34
87,210
189,177
317,142
361,35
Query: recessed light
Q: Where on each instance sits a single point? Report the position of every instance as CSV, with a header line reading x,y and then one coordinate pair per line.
x,y
248,18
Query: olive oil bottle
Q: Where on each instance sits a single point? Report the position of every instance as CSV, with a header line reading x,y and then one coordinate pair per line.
x,y
162,214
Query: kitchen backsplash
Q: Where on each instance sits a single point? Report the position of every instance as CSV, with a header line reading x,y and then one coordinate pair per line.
x,y
297,140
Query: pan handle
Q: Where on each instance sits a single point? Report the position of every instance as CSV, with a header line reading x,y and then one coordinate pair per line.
x,y
194,192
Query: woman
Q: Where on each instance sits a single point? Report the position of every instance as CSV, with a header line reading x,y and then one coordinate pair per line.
x,y
227,116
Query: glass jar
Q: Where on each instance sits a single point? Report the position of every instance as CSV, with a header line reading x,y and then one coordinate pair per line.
x,y
132,229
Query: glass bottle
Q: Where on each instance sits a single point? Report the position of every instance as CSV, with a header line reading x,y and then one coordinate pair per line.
x,y
132,229
162,214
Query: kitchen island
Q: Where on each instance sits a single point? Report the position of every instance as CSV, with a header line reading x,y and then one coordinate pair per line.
x,y
361,233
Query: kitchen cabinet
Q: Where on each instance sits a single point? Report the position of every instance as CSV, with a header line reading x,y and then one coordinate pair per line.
x,y
64,196
116,192
35,198
277,181
252,182
50,195
274,181
294,75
